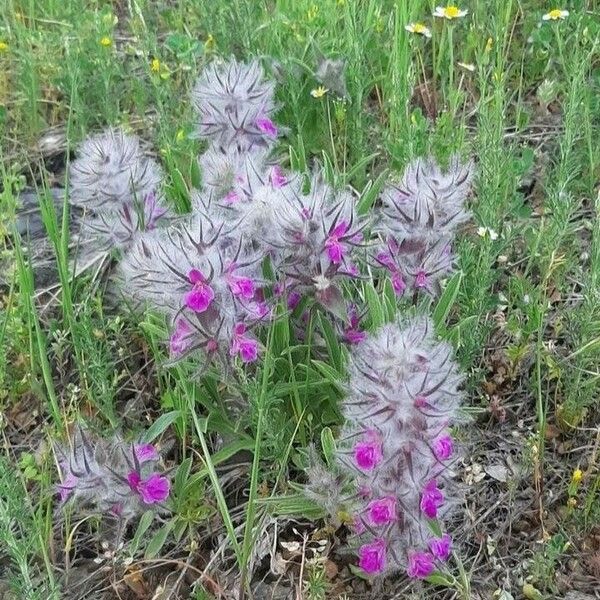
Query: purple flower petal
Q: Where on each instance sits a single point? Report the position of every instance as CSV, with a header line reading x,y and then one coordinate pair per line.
x,y
420,565
431,499
372,557
145,452
267,126
441,547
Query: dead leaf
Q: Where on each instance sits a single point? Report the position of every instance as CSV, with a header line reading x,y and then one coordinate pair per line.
x,y
498,472
136,583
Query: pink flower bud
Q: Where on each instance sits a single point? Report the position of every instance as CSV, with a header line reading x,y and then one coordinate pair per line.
x,y
179,341
421,280
372,557
431,499
154,489
398,284
241,286
368,453
420,565
443,447
278,178
267,126
231,197
441,547
201,296
246,347
382,511
145,452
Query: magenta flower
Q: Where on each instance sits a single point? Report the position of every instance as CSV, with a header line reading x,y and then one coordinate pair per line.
x,y
368,453
246,347
241,286
371,557
154,489
398,283
382,511
443,447
421,280
267,126
335,249
145,452
352,333
386,260
431,499
180,341
420,565
441,547
231,197
202,294
293,300
278,178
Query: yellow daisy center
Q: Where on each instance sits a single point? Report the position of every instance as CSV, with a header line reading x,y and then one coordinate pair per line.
x,y
451,12
555,14
419,28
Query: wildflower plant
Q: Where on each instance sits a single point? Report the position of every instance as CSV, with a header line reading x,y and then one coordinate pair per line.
x,y
110,476
396,448
418,221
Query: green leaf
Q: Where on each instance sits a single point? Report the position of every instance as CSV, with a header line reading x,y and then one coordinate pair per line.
x,y
158,540
246,443
328,444
333,376
293,505
439,579
143,525
447,299
375,306
331,339
370,193
181,476
160,425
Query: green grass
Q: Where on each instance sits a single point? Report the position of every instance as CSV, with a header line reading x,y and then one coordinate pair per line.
x,y
528,113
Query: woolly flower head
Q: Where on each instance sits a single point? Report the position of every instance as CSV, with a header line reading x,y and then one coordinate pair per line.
x,y
232,177
418,220
403,395
210,289
235,105
120,188
314,236
110,476
112,169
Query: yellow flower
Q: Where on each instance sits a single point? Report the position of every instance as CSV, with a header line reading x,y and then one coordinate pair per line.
x,y
577,476
489,44
155,65
555,15
210,43
106,41
449,12
312,13
3,47
319,92
418,28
